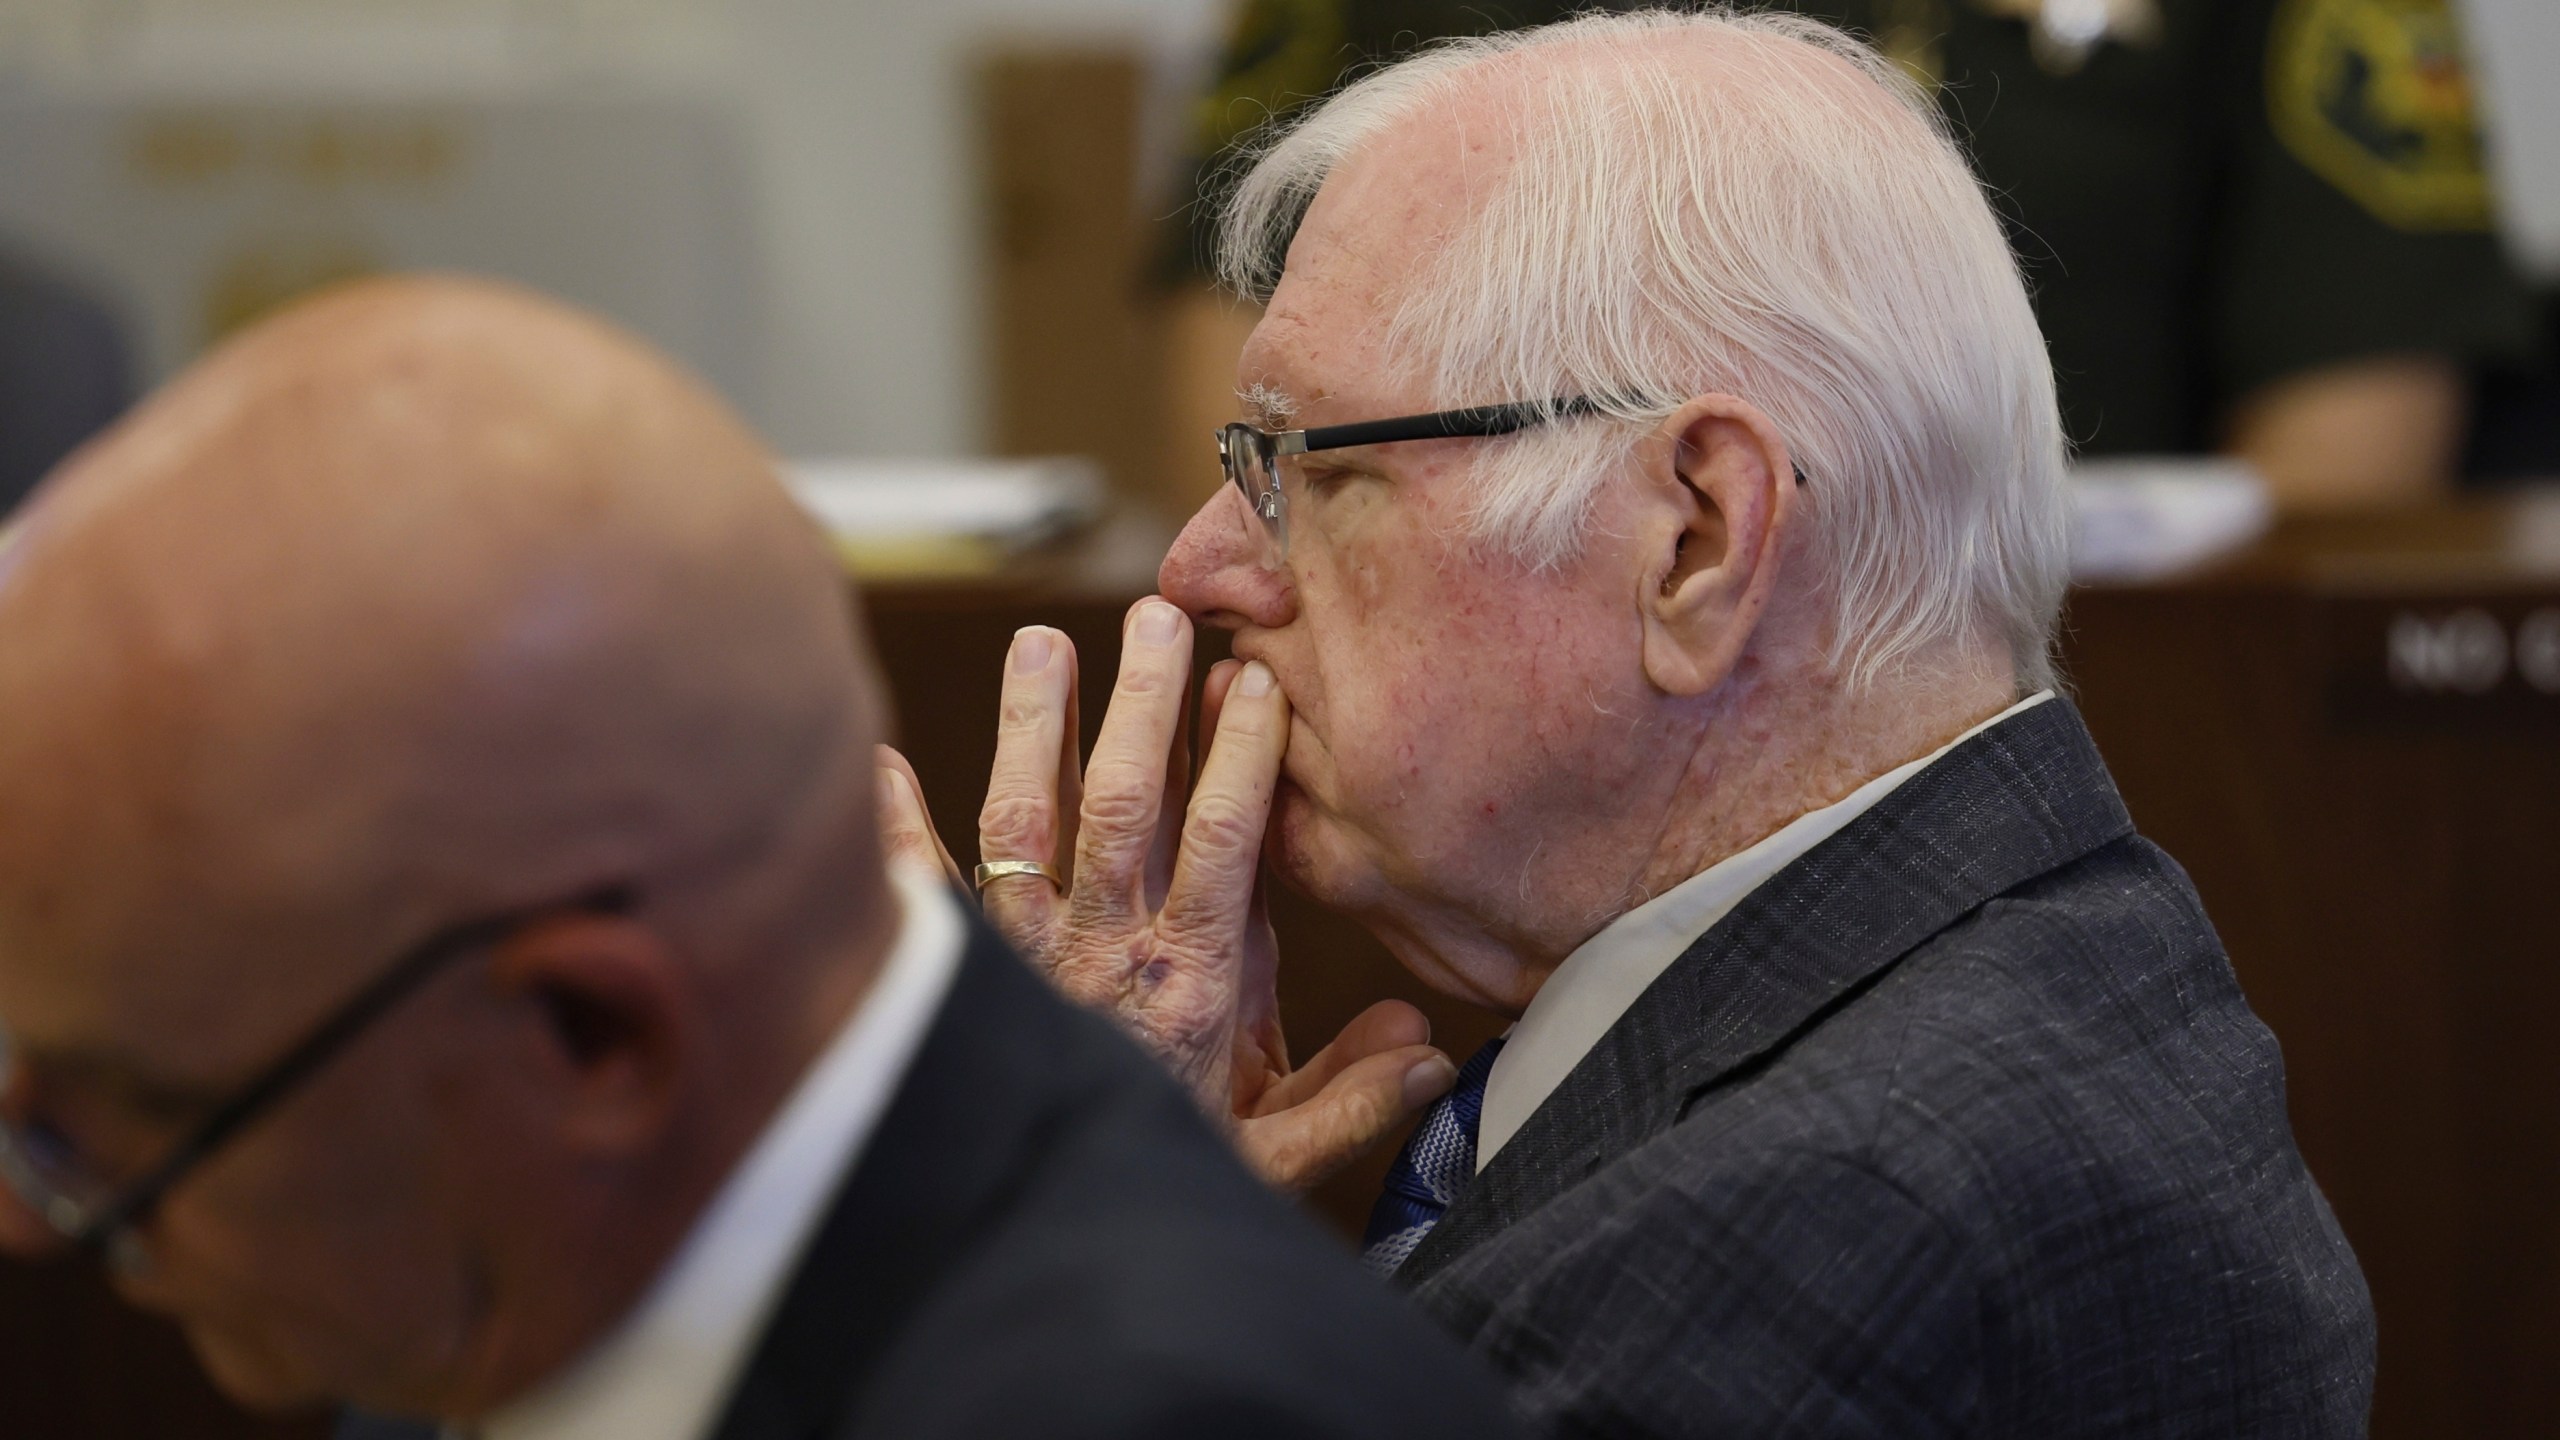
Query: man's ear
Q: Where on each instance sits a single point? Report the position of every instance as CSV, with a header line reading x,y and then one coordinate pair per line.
x,y
612,1018
1722,496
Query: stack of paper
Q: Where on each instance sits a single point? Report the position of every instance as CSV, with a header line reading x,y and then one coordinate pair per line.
x,y
944,517
2147,517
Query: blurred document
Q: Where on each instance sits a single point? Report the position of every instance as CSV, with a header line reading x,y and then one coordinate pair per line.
x,y
2141,518
894,518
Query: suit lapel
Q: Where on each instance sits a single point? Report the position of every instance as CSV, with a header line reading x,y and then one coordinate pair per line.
x,y
2018,800
951,1152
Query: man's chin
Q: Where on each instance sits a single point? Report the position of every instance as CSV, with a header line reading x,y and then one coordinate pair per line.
x,y
1308,855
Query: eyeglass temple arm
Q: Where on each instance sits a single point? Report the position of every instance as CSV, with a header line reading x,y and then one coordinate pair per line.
x,y
1477,422
317,1049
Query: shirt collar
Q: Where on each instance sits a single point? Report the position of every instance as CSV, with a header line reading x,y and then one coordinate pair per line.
x,y
1604,975
664,1371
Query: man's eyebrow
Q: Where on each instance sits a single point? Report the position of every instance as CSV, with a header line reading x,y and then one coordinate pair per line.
x,y
1267,407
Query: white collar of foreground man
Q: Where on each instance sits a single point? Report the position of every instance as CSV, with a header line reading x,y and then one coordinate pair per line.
x,y
1602,979
664,1373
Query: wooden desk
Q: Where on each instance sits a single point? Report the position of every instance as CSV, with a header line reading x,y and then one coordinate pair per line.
x,y
2351,739
2363,779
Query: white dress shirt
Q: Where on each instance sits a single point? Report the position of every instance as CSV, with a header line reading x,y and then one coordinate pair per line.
x,y
664,1372
1603,977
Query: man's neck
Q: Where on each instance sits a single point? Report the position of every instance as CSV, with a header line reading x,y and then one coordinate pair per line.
x,y
1782,755
586,1277
1748,762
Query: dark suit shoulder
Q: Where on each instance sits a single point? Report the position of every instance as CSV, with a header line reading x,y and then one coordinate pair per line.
x,y
2080,1040
1136,1281
2078,1081
2035,1177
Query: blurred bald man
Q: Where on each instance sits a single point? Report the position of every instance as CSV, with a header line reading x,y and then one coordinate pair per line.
x,y
448,962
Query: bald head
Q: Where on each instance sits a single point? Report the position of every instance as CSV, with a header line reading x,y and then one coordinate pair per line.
x,y
429,593
427,601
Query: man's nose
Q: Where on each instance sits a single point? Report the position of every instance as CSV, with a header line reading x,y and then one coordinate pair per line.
x,y
1220,569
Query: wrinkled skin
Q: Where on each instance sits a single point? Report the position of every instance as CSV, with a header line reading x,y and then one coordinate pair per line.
x,y
1161,922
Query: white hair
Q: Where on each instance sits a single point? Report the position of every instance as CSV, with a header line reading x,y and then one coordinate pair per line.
x,y
1772,228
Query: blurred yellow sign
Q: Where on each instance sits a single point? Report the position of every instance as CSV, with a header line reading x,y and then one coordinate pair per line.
x,y
315,152
267,275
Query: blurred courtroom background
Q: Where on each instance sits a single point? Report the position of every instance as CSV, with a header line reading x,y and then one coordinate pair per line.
x,y
907,238
787,192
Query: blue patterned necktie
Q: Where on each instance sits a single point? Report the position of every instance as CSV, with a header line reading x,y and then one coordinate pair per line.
x,y
1436,1164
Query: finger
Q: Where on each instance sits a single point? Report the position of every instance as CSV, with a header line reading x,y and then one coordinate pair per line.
x,y
1070,791
1385,1026
906,825
1213,881
1178,780
1213,698
1167,842
1303,1145
1124,782
1021,818
1258,985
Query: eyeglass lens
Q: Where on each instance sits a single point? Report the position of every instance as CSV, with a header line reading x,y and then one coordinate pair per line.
x,y
1247,455
40,1165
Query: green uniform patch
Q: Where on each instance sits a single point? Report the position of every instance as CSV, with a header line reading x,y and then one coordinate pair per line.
x,y
2371,95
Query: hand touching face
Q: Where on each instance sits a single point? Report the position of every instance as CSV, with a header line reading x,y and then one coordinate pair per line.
x,y
1462,726
1158,920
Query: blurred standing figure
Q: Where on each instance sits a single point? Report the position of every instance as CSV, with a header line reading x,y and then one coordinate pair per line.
x,y
2257,226
63,375
448,962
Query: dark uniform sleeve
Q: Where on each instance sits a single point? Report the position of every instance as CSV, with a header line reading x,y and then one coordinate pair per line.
x,y
1278,55
2357,215
1282,54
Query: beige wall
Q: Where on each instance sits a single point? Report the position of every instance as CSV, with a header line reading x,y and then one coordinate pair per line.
x,y
866,316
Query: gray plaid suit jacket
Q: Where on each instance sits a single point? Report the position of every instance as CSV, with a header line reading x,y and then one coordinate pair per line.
x,y
1960,1125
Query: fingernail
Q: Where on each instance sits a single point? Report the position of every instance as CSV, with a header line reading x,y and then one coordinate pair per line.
x,y
1428,1081
1157,623
1030,650
893,786
1256,680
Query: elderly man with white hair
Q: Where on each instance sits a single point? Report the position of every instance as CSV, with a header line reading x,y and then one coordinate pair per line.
x,y
1642,563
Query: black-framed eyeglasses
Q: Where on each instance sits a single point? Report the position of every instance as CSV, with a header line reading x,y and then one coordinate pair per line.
x,y
1255,459
50,1177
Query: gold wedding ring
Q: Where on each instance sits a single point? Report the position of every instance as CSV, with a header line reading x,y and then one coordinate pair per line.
x,y
996,869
